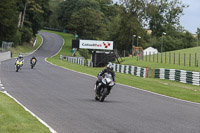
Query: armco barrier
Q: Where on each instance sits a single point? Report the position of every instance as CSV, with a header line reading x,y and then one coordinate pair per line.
x,y
5,56
178,75
77,60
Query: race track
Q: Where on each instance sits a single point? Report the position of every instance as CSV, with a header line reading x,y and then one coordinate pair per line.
x,y
65,100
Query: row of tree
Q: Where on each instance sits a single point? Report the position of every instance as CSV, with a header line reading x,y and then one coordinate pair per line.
x,y
21,19
105,20
98,20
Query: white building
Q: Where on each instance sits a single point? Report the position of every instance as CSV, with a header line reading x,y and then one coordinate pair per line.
x,y
150,50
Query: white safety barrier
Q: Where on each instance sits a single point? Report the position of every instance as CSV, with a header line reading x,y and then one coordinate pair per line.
x,y
5,55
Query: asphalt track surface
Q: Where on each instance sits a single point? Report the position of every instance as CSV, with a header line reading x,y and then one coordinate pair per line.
x,y
65,100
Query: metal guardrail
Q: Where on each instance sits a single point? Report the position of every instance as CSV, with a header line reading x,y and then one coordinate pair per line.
x,y
77,60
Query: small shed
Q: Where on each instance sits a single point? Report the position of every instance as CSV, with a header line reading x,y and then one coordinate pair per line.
x,y
150,50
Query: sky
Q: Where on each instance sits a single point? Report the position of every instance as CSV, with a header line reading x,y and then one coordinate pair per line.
x,y
191,18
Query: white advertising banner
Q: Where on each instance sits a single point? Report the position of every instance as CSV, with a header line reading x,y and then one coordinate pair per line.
x,y
94,44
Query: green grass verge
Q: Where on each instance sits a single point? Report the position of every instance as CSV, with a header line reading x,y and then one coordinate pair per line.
x,y
26,47
14,119
149,62
165,87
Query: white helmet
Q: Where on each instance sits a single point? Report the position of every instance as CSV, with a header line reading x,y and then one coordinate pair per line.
x,y
20,56
110,67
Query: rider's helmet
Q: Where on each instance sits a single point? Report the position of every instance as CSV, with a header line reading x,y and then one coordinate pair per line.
x,y
110,67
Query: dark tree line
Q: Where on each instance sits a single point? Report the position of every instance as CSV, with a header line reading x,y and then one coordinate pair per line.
x,y
105,20
100,20
21,19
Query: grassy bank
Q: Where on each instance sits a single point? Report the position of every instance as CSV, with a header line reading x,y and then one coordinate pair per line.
x,y
13,117
165,87
26,47
179,59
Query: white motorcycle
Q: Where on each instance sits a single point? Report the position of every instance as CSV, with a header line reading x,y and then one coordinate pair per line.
x,y
104,88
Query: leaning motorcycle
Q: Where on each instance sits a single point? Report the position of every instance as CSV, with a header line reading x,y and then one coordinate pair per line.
x,y
104,88
18,65
33,62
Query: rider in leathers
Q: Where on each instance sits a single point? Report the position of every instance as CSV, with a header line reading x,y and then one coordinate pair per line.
x,y
108,70
32,59
20,58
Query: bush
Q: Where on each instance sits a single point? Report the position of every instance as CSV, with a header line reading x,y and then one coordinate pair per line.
x,y
27,34
84,53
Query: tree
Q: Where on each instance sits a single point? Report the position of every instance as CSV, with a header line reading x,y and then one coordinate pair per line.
x,y
64,12
163,12
8,20
36,13
88,24
131,23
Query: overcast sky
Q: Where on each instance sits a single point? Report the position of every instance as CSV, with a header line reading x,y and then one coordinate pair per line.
x,y
191,18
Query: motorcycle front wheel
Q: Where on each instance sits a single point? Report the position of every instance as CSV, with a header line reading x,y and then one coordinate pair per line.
x,y
104,93
17,68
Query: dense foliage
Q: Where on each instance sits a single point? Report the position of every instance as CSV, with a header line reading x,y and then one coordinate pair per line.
x,y
8,20
105,20
21,19
99,20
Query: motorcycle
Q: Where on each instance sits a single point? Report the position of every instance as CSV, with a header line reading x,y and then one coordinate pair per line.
x,y
104,88
33,62
18,65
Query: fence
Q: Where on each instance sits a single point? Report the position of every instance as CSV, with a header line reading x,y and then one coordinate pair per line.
x,y
178,75
185,59
77,60
6,46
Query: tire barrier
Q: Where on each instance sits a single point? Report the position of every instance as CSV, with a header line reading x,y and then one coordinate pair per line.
x,y
182,76
133,70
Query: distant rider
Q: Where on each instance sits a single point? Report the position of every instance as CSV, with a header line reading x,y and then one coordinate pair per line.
x,y
31,60
100,76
